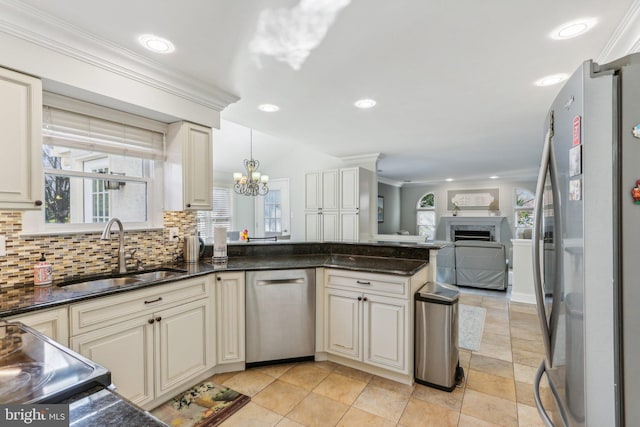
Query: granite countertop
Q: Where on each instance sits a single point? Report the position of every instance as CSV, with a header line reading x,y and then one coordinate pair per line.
x,y
102,407
24,298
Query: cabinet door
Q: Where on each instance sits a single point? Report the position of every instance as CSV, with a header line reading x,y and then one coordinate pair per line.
x,y
230,317
330,226
312,226
349,189
385,330
21,178
183,344
52,323
349,226
126,349
198,168
313,191
342,323
330,190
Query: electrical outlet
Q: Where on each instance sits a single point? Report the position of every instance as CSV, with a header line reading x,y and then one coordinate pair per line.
x,y
173,234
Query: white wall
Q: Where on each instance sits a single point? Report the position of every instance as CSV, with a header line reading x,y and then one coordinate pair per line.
x,y
278,159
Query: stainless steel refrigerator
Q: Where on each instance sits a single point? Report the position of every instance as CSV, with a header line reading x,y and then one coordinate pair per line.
x,y
586,251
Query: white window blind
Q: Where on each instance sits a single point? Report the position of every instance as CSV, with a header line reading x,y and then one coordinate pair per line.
x,y
220,216
68,128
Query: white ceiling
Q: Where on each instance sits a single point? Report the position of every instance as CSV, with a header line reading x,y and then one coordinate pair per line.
x,y
453,80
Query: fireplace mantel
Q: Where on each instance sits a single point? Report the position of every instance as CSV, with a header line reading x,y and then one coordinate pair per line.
x,y
490,223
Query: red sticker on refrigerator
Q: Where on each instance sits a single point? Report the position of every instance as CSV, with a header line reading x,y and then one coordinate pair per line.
x,y
576,130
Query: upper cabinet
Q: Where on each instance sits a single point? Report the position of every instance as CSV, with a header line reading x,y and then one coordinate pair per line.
x,y
337,204
322,190
21,179
189,168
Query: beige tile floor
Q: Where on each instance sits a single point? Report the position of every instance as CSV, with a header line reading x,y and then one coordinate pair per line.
x,y
498,389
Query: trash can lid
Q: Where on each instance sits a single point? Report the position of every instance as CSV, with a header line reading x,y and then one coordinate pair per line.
x,y
439,291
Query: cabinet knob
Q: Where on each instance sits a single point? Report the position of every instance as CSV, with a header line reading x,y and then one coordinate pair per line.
x,y
359,298
158,319
38,203
151,321
218,278
188,205
364,299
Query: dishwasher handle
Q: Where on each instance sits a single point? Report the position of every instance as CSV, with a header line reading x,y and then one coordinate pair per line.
x,y
279,281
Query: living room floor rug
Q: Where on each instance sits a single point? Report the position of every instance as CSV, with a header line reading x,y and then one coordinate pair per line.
x,y
207,404
470,326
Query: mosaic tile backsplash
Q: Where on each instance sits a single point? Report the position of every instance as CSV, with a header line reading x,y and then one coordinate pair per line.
x,y
84,253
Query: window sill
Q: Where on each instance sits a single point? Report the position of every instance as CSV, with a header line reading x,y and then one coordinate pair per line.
x,y
81,230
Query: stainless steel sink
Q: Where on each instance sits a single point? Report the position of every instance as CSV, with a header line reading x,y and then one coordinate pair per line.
x,y
152,276
97,283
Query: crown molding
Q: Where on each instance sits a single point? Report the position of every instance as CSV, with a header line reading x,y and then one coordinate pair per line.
x,y
625,39
393,183
371,158
34,26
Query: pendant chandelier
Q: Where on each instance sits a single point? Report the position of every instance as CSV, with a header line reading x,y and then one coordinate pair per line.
x,y
251,183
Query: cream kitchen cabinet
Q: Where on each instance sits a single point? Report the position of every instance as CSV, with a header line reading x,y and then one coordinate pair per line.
x,y
153,341
322,190
322,226
21,178
189,167
53,323
322,194
368,318
230,317
369,328
356,205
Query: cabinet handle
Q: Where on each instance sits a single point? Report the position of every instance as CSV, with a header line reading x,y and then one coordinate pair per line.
x,y
364,299
188,205
154,300
361,282
218,278
158,319
151,321
359,298
38,203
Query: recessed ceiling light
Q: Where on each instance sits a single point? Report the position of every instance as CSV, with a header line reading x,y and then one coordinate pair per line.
x,y
494,177
156,44
365,103
552,79
573,29
449,179
268,108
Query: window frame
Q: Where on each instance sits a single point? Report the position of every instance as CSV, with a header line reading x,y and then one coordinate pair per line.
x,y
34,221
431,209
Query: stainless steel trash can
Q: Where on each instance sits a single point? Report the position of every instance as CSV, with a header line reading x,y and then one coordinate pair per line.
x,y
436,336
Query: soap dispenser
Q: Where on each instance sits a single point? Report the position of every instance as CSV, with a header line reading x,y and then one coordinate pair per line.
x,y
43,272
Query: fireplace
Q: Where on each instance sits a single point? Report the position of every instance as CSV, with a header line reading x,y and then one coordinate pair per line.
x,y
480,235
474,228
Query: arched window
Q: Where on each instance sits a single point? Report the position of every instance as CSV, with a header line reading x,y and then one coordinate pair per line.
x,y
426,216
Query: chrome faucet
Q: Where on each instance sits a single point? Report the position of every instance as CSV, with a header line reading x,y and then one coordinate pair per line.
x,y
106,235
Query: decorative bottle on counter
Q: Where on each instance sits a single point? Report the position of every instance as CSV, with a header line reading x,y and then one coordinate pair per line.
x,y
43,272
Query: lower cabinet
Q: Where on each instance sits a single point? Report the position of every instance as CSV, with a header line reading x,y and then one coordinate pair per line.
x,y
368,328
154,351
53,323
230,316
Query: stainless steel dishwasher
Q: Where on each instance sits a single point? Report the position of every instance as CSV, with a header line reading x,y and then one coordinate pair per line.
x,y
280,316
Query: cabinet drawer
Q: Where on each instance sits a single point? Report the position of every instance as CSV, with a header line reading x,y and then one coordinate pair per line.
x,y
101,312
383,284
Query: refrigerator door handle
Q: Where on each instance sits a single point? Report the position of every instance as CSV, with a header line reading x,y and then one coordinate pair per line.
x,y
535,243
536,396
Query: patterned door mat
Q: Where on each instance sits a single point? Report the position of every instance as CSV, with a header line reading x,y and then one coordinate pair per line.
x,y
207,404
470,326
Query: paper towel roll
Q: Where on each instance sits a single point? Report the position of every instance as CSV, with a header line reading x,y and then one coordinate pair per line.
x,y
219,243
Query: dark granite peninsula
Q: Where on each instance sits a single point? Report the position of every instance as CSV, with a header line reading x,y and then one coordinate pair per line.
x,y
377,257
